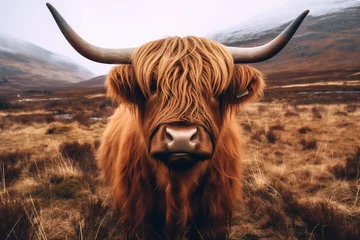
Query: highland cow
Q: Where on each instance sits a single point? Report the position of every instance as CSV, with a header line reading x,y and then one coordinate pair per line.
x,y
171,153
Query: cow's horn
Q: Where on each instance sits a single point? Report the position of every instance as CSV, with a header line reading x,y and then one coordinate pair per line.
x,y
267,51
97,54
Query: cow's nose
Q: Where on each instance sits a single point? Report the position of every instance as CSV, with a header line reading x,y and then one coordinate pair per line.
x,y
181,140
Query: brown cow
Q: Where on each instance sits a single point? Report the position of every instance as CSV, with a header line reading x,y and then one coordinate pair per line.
x,y
171,152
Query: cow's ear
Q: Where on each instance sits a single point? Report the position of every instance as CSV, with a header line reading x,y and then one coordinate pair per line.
x,y
247,85
122,85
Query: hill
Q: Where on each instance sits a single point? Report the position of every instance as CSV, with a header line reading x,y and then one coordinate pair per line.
x,y
324,53
25,66
96,82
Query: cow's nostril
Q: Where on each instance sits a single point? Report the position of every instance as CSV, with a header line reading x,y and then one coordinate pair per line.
x,y
168,137
195,137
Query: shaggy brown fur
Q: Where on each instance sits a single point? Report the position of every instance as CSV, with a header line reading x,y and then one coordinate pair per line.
x,y
191,80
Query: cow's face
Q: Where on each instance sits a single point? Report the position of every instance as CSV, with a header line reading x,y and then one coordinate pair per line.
x,y
182,90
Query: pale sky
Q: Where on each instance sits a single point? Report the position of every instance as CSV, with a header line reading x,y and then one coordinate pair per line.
x,y
130,23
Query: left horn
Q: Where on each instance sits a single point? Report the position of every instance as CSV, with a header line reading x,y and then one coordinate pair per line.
x,y
89,51
269,50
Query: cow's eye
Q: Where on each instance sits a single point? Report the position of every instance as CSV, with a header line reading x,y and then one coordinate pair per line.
x,y
153,87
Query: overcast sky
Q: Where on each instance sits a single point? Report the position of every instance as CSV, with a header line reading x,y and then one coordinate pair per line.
x,y
130,23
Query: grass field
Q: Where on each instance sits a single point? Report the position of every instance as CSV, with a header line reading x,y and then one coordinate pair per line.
x,y
301,168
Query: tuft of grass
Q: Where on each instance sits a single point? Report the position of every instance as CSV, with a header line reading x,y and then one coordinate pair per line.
x,y
340,113
272,137
275,218
351,170
277,127
304,130
246,127
36,167
96,221
291,114
96,144
316,112
351,108
83,119
59,186
258,135
58,129
83,155
68,188
16,218
58,179
325,221
308,144
12,164
261,109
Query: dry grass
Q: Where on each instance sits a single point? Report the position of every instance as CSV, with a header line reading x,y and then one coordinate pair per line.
x,y
304,185
304,130
96,221
11,165
301,173
83,155
308,144
16,217
351,169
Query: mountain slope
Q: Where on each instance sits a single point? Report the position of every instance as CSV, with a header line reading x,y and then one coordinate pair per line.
x,y
25,66
324,49
96,82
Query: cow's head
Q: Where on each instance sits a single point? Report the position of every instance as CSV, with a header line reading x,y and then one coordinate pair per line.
x,y
181,89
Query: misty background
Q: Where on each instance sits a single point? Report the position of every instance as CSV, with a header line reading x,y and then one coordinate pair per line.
x,y
118,24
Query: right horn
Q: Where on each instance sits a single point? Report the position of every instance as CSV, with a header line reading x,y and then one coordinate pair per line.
x,y
269,50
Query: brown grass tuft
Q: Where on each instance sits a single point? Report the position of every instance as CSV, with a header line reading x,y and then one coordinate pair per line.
x,y
340,113
275,218
291,114
277,127
351,170
36,167
325,221
351,108
96,221
16,218
304,130
308,144
258,135
246,126
316,113
12,163
83,119
83,155
58,129
272,137
62,181
66,187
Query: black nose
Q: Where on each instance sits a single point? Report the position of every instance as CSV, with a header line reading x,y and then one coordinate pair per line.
x,y
181,140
